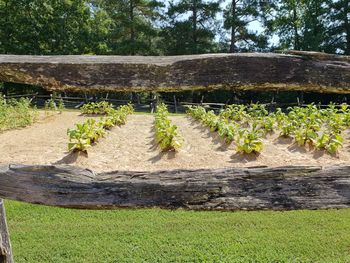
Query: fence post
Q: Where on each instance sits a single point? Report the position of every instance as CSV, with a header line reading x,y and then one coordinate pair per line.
x,y
175,103
5,245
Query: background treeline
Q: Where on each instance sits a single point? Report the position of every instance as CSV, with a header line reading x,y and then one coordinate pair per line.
x,y
151,27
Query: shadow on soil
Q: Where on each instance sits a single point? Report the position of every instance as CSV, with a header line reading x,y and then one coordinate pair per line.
x,y
71,157
215,138
163,155
244,158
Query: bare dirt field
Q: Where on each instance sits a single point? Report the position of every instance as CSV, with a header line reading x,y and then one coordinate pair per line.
x,y
132,147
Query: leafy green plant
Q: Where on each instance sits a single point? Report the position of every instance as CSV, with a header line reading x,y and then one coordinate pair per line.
x,y
102,108
227,131
247,124
60,105
167,135
235,112
249,141
81,138
267,123
50,104
16,113
257,110
331,143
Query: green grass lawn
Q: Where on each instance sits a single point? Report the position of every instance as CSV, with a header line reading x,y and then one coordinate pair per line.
x,y
46,234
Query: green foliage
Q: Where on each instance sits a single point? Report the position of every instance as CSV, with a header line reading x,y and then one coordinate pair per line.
x,y
268,123
54,104
16,113
249,141
50,104
287,127
235,112
246,125
45,27
102,107
226,130
130,25
257,110
81,138
192,33
153,27
83,135
60,105
338,31
329,142
167,135
236,23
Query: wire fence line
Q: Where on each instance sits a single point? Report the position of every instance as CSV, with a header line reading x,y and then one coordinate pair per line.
x,y
149,105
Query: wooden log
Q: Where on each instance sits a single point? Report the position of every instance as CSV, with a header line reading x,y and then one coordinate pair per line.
x,y
305,71
5,245
304,187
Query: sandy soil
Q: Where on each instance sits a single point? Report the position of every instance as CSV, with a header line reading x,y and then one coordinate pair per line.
x,y
132,147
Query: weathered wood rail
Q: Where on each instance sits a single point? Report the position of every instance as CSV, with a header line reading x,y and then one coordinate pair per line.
x,y
5,246
280,188
296,70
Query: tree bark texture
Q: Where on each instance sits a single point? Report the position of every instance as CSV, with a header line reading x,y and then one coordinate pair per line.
x,y
296,70
5,245
280,188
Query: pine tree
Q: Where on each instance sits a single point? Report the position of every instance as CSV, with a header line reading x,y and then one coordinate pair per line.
x,y
314,28
338,36
285,18
133,29
238,15
191,27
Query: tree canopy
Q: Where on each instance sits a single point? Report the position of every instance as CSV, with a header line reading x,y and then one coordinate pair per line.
x,y
154,27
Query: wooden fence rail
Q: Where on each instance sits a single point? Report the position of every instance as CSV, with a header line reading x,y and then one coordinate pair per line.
x,y
279,188
306,71
5,246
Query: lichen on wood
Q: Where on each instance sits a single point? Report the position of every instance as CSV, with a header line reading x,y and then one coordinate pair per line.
x,y
306,71
278,188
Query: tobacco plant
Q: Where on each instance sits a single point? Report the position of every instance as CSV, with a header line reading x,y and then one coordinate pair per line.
x,y
16,113
102,108
329,142
167,135
227,131
249,141
81,138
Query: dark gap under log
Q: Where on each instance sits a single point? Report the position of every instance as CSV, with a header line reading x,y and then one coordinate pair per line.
x,y
281,188
297,70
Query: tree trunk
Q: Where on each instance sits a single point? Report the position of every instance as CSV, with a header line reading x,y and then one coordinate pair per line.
x,y
132,28
194,26
347,26
5,245
233,27
295,28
